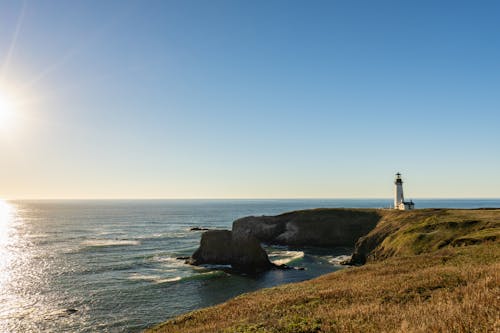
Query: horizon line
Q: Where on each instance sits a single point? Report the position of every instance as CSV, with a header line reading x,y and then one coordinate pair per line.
x,y
249,198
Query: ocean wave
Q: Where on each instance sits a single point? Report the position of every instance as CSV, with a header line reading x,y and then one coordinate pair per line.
x,y
338,259
174,279
205,276
286,257
162,236
154,278
167,261
109,242
108,233
158,279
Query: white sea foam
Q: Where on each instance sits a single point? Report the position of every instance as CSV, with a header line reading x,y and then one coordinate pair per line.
x,y
168,261
143,277
153,278
162,258
166,235
286,256
107,233
109,242
174,279
338,259
204,275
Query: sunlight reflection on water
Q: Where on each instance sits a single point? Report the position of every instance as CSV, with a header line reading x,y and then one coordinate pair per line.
x,y
6,212
7,238
6,218
14,266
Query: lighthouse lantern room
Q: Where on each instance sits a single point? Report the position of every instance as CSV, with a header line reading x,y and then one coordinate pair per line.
x,y
399,200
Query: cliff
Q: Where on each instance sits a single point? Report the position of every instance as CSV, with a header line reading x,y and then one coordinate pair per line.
x,y
406,233
315,227
374,234
241,248
425,271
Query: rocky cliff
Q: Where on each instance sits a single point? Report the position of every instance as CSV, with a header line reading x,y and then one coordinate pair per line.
x,y
374,234
241,248
315,227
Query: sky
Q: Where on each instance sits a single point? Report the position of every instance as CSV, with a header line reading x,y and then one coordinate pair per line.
x,y
249,99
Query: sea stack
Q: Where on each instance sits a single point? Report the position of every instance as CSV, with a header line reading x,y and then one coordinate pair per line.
x,y
222,247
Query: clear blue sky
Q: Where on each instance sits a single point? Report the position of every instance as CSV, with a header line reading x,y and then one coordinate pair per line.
x,y
250,99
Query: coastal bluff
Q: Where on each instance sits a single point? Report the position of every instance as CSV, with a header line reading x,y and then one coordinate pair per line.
x,y
373,233
241,247
424,270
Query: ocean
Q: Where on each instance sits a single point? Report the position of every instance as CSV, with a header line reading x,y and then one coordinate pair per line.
x,y
110,265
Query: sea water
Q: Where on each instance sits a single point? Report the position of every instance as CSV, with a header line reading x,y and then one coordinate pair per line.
x,y
111,266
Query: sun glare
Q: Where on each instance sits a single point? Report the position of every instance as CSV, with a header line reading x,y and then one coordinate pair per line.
x,y
7,113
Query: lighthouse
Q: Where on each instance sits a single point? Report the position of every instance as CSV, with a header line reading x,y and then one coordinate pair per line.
x,y
399,199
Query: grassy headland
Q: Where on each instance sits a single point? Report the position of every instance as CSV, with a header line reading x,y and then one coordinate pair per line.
x,y
426,271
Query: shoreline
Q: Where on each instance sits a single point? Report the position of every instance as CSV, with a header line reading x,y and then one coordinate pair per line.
x,y
454,248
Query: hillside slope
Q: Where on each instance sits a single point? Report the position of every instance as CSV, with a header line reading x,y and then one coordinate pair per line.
x,y
426,270
401,233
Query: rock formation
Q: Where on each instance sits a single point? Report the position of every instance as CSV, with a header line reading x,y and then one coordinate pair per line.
x,y
315,227
241,247
223,247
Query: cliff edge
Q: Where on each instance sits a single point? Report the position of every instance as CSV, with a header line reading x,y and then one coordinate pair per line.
x,y
406,233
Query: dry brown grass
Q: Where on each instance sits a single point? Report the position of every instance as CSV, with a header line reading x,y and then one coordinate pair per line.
x,y
452,289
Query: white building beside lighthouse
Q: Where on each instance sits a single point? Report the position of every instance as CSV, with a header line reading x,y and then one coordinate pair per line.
x,y
399,199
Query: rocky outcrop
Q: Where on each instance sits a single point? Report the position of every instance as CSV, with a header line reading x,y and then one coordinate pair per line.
x,y
315,227
223,247
241,247
365,246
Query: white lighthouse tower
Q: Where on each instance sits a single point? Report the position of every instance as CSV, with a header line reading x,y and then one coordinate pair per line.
x,y
399,199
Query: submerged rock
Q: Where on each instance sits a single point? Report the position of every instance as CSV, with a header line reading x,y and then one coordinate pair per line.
x,y
198,229
59,313
222,247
